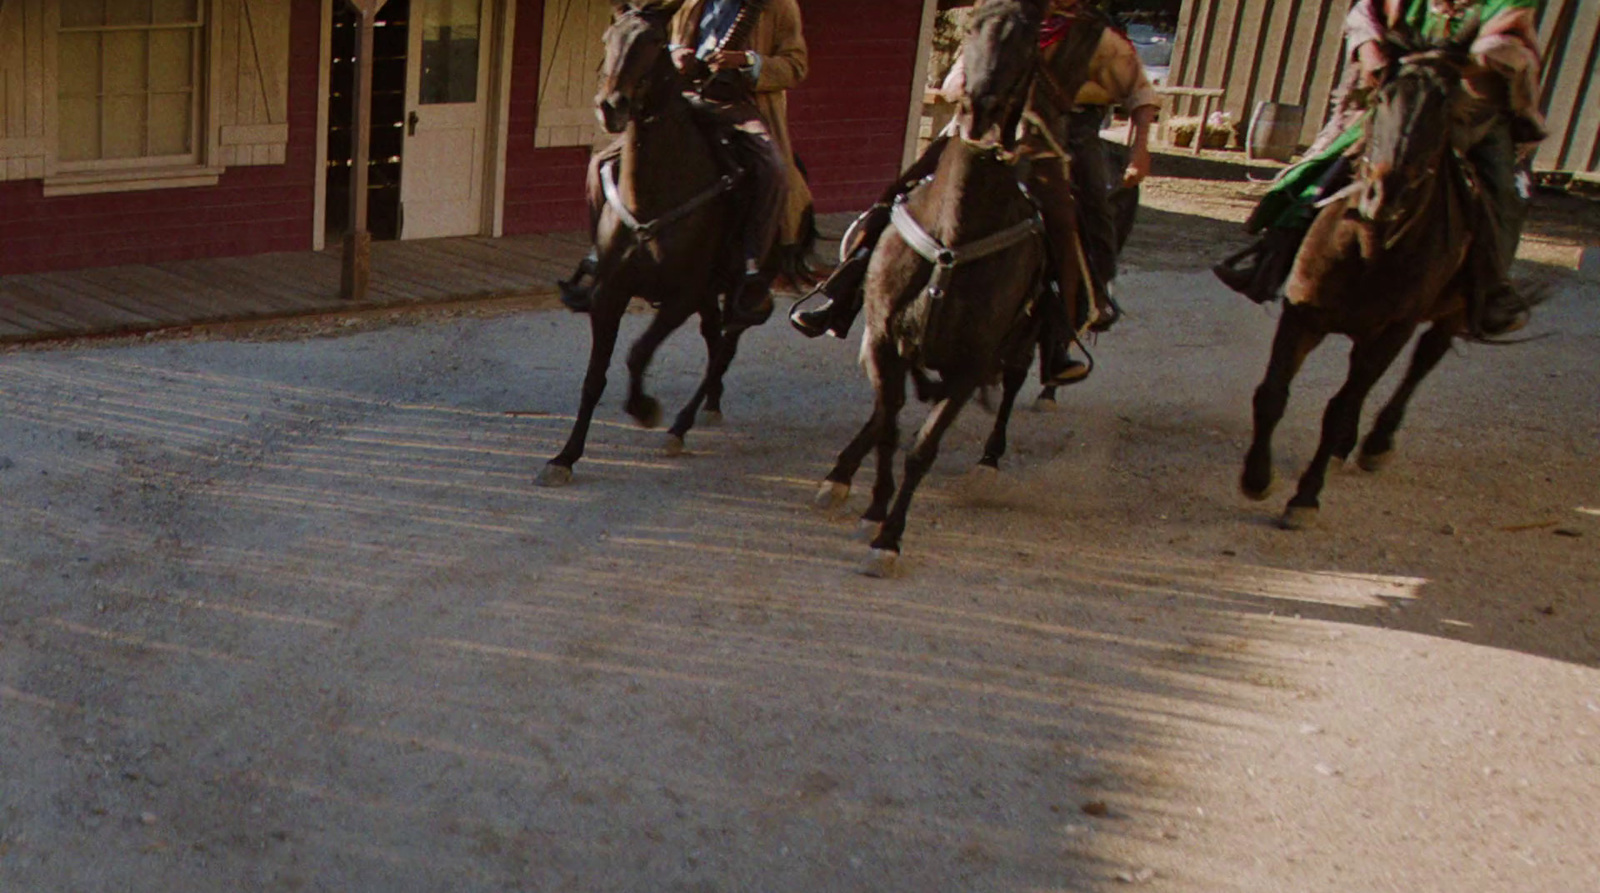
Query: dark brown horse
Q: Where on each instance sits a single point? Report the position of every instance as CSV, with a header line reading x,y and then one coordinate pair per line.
x,y
951,288
664,231
1383,257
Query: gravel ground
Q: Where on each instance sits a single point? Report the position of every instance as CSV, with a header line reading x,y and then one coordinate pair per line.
x,y
281,610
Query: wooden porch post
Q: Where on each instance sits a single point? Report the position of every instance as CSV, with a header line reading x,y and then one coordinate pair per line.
x,y
357,270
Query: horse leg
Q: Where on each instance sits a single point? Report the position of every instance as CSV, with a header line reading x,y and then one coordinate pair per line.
x,y
719,356
713,415
604,320
1293,343
891,387
646,410
836,486
886,547
1431,348
996,447
1369,359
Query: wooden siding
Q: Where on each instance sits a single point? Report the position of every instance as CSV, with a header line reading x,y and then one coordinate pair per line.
x,y
251,210
22,125
1288,51
252,82
1570,36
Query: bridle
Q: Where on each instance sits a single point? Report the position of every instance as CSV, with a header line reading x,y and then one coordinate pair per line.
x,y
1413,196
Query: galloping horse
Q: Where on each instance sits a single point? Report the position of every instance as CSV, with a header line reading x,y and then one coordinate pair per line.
x,y
951,286
1383,256
664,231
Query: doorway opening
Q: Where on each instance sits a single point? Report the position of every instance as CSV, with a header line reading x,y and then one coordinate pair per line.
x,y
390,39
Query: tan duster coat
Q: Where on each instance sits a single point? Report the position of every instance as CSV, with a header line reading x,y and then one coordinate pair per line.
x,y
784,63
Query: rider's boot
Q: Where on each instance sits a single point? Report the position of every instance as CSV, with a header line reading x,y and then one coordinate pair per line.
x,y
576,294
750,302
842,288
1057,365
1259,271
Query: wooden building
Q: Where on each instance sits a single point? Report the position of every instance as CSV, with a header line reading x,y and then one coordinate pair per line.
x,y
137,131
1288,51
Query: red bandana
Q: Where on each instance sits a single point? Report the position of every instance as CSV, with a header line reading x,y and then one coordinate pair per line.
x,y
1056,29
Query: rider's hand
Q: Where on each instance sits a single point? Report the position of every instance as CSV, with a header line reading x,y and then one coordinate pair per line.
x,y
728,60
1374,63
683,58
1138,167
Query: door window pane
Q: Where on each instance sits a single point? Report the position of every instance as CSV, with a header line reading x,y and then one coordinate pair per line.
x,y
450,51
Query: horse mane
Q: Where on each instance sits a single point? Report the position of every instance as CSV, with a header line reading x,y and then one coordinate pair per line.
x,y
1028,13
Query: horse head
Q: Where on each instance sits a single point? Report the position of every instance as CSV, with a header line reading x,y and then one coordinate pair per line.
x,y
1001,53
637,62
1409,132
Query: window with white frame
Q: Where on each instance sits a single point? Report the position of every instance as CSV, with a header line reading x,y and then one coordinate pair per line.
x,y
129,83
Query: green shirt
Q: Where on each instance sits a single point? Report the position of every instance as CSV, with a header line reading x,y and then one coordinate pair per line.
x,y
1426,20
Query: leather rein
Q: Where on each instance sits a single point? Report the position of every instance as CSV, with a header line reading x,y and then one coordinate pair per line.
x,y
648,230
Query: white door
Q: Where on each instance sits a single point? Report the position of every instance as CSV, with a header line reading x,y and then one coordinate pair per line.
x,y
447,79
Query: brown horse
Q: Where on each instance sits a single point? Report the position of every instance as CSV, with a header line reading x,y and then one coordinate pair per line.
x,y
1383,256
664,229
950,289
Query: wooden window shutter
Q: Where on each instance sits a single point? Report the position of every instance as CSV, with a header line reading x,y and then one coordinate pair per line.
x,y
569,68
252,89
22,106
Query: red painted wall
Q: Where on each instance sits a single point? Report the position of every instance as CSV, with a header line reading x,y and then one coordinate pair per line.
x,y
544,187
848,119
250,211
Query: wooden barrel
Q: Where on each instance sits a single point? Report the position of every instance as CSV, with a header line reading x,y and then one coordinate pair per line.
x,y
1275,131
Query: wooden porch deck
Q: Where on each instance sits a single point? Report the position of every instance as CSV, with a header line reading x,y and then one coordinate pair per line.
x,y
135,299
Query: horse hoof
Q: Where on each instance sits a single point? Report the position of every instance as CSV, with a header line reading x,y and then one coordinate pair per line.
x,y
711,418
867,531
983,472
647,412
1298,517
831,495
1374,462
674,446
1253,494
1252,490
881,564
1045,405
553,475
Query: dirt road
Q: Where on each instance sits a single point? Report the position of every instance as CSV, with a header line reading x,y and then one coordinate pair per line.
x,y
287,614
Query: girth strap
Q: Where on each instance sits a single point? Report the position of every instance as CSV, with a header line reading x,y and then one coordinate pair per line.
x,y
647,230
944,258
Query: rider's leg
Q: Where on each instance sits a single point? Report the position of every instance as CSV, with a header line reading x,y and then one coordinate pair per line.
x,y
1259,271
750,302
843,286
1048,180
575,292
1091,180
1497,306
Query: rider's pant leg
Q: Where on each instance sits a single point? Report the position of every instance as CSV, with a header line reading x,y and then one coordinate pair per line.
x,y
1091,176
769,189
1505,199
1049,183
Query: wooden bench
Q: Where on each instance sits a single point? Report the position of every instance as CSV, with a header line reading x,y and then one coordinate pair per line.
x,y
1206,95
